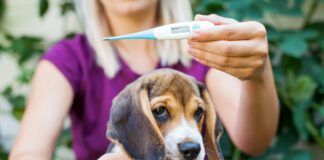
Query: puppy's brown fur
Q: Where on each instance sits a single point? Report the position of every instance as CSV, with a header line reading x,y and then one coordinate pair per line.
x,y
133,127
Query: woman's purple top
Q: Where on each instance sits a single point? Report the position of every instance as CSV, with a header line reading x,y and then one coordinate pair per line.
x,y
94,92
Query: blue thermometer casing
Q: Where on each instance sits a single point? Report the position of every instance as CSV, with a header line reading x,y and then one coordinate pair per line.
x,y
166,32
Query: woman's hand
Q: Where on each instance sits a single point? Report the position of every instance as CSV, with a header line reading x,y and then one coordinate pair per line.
x,y
237,48
249,109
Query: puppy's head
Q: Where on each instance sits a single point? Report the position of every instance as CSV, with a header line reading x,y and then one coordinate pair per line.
x,y
161,116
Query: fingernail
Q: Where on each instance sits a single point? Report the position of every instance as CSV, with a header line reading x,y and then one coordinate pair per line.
x,y
194,36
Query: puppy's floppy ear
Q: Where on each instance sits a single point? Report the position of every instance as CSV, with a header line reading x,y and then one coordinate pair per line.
x,y
132,124
213,127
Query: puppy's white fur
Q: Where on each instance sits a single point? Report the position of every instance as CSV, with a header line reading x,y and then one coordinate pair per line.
x,y
116,149
178,135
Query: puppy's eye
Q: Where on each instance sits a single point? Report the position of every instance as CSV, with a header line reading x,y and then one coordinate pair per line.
x,y
161,114
198,114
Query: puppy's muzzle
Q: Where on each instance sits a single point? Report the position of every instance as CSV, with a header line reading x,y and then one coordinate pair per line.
x,y
189,150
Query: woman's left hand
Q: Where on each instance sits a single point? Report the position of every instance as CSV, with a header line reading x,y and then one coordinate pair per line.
x,y
237,48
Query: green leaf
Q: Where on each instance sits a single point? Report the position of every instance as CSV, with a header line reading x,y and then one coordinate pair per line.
x,y
7,91
67,7
309,34
238,5
314,132
294,46
70,35
2,9
65,137
312,67
3,154
282,7
43,7
208,7
321,111
301,88
18,101
25,76
236,154
299,118
253,14
25,47
1,49
297,155
227,147
18,113
285,141
321,43
272,34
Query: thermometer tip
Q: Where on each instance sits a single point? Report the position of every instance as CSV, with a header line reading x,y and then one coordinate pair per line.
x,y
106,39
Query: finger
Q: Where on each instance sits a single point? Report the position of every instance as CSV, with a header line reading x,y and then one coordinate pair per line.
x,y
234,62
232,48
217,20
241,73
236,31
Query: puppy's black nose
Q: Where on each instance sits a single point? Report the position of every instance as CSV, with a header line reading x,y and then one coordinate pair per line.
x,y
189,150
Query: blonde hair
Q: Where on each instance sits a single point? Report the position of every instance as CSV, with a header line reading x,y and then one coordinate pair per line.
x,y
96,27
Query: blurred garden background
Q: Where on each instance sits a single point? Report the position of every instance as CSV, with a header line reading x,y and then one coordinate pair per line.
x,y
296,42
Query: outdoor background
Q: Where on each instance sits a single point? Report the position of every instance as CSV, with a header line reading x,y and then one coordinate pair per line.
x,y
296,39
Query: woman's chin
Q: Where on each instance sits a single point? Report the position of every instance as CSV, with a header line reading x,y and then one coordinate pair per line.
x,y
129,8
130,11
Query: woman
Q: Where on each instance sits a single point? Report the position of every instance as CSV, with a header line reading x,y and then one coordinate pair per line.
x,y
82,75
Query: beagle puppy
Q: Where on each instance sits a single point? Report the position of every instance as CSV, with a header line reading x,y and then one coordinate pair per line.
x,y
161,116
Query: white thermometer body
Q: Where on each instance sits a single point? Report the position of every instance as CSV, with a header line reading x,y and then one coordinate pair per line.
x,y
167,32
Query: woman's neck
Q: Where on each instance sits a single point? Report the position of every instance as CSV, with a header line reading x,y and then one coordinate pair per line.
x,y
125,24
139,55
121,24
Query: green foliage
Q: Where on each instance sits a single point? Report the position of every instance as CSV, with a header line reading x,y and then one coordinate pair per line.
x,y
43,7
67,7
297,155
2,9
17,101
3,154
24,48
294,46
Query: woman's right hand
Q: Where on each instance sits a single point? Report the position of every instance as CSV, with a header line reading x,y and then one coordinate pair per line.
x,y
49,102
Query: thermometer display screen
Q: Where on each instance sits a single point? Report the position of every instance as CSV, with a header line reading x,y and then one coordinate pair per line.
x,y
180,29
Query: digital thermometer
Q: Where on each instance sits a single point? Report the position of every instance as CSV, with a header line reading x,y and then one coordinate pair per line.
x,y
170,31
